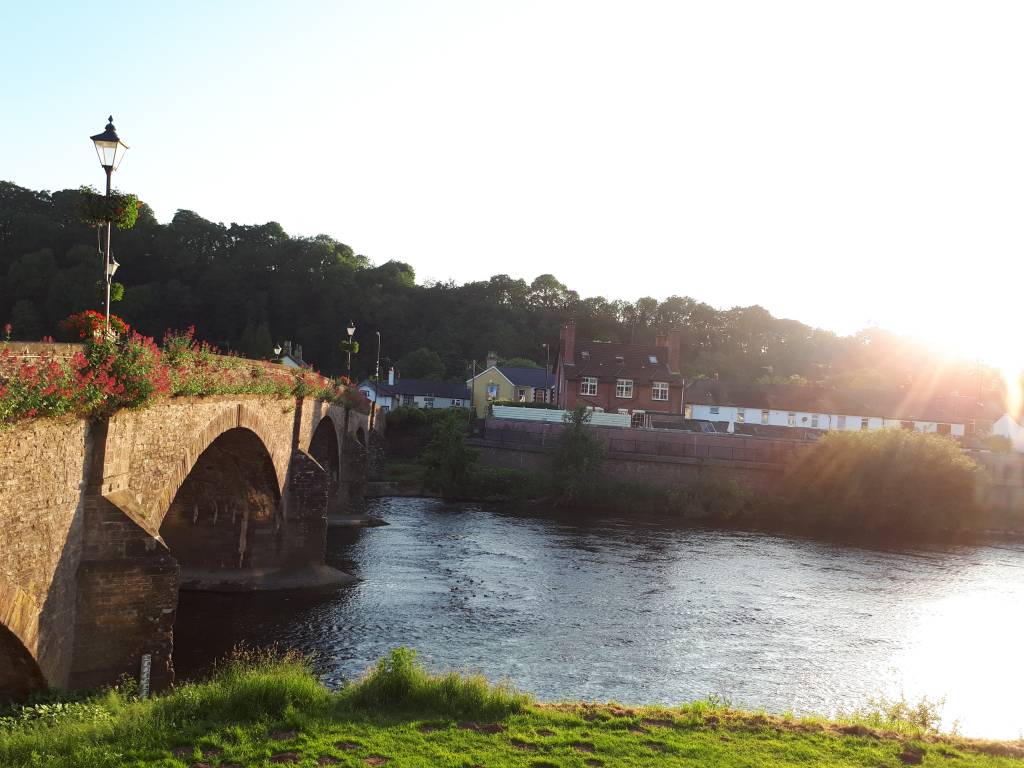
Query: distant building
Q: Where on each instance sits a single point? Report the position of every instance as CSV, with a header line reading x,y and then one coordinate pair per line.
x,y
415,393
291,355
784,409
642,380
503,383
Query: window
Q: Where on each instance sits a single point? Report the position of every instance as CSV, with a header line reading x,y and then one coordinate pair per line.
x,y
521,394
714,410
864,423
638,420
652,359
623,411
428,402
764,416
841,422
659,390
687,411
791,419
908,425
540,395
741,415
624,388
943,429
456,403
408,400
492,391
588,385
814,421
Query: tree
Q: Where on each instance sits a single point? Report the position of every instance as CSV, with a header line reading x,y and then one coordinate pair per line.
x,y
447,461
422,363
576,463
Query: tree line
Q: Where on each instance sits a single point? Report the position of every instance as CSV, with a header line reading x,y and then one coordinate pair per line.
x,y
247,287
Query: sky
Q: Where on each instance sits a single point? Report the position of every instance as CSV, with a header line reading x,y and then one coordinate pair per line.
x,y
843,164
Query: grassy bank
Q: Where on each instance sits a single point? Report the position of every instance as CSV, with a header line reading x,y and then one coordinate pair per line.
x,y
267,712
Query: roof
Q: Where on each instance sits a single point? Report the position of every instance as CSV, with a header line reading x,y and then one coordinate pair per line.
x,y
454,390
609,360
911,404
527,377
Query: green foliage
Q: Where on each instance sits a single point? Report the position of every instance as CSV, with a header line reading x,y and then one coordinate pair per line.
x,y
399,682
517,404
998,443
576,462
447,460
520,362
899,714
422,363
893,480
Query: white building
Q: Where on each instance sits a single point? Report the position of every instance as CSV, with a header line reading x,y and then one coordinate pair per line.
x,y
415,393
745,409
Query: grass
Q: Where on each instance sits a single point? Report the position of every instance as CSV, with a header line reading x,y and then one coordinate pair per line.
x,y
259,711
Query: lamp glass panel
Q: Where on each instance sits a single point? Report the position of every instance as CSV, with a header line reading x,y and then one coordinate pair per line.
x,y
119,150
107,151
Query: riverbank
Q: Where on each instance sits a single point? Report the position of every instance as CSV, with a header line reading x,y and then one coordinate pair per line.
x,y
263,712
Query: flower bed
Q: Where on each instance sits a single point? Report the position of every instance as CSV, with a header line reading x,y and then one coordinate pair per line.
x,y
131,371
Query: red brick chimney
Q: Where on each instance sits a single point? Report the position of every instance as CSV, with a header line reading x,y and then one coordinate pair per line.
x,y
674,342
567,342
661,340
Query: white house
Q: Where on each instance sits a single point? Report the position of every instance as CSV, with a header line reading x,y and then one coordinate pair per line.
x,y
415,393
746,409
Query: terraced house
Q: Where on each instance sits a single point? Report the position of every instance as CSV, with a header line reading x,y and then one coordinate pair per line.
x,y
641,380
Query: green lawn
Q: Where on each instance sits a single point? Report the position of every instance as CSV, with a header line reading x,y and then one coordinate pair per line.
x,y
276,713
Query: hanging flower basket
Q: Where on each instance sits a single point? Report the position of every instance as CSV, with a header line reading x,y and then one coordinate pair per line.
x,y
120,209
90,325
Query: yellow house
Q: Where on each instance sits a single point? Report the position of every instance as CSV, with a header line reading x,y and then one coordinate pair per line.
x,y
509,383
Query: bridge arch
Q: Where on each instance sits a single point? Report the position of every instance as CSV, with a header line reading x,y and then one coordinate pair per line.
x,y
325,448
20,675
229,499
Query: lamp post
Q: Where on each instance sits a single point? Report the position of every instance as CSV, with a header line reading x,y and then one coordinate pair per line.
x,y
110,151
351,330
376,385
547,373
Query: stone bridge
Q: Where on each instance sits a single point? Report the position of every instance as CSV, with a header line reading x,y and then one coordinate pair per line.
x,y
102,522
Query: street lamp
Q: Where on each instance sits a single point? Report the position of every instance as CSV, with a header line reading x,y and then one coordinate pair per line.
x,y
547,373
110,151
376,384
351,330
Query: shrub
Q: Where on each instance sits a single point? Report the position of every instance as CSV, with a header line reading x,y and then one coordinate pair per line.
x,y
399,682
447,460
576,463
883,480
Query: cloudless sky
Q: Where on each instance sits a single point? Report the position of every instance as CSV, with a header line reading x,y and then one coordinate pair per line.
x,y
844,164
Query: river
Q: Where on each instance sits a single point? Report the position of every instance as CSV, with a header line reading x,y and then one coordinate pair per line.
x,y
650,611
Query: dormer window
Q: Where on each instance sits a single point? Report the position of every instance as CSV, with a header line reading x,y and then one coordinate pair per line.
x,y
619,359
585,354
653,359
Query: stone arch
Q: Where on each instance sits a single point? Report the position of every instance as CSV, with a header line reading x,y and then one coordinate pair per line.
x,y
226,511
20,675
325,448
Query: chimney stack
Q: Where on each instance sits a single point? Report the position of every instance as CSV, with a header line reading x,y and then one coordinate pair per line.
x,y
661,340
674,342
492,359
567,341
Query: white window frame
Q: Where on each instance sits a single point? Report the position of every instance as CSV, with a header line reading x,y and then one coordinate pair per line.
x,y
865,423
428,402
659,387
456,403
588,385
765,415
741,415
814,421
497,390
791,419
624,389
714,410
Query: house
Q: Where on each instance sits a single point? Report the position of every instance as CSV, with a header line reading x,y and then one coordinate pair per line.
x,y
636,379
788,409
415,393
502,383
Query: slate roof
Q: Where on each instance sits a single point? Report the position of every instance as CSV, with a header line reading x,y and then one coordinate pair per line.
x,y
608,360
528,377
913,404
454,390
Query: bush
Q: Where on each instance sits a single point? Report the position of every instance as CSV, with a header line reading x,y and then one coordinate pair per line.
x,y
890,479
447,461
399,682
576,463
517,404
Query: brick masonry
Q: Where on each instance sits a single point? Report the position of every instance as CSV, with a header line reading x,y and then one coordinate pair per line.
x,y
89,514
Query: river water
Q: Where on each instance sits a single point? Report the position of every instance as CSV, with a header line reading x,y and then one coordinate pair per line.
x,y
649,611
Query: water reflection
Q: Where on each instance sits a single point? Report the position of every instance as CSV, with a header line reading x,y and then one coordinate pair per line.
x,y
648,611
